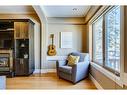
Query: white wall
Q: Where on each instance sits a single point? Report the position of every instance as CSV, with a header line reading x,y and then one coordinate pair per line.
x,y
74,25
77,32
39,11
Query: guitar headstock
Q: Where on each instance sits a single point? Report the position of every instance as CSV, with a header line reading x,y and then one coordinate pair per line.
x,y
52,36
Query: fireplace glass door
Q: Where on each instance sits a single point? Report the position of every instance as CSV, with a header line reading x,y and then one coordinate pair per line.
x,y
4,60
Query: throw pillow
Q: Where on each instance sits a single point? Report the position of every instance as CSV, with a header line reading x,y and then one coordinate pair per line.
x,y
72,60
81,59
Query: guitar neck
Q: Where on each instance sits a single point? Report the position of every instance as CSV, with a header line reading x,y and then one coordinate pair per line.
x,y
52,41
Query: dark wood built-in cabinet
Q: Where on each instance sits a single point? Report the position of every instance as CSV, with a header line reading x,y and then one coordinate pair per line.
x,y
21,67
18,36
22,30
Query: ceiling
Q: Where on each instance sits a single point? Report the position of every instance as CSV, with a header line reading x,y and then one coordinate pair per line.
x,y
49,11
19,9
65,11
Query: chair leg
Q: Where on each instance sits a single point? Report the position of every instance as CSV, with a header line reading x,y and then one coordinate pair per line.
x,y
74,83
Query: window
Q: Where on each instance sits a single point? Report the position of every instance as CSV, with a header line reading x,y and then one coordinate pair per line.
x,y
97,41
106,40
112,38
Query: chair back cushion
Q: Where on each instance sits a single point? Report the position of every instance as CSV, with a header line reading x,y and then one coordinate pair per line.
x,y
81,59
72,60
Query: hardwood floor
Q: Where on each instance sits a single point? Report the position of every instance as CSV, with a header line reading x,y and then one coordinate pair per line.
x,y
46,81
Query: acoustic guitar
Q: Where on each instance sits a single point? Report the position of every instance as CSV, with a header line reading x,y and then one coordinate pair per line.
x,y
52,47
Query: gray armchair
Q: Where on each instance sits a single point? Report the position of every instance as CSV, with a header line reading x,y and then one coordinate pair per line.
x,y
76,72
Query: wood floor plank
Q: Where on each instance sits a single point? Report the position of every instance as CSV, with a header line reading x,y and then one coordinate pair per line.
x,y
46,81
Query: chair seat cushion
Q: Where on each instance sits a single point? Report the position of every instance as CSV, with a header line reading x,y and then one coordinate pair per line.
x,y
66,69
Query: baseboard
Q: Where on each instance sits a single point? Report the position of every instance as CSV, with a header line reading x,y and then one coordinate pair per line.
x,y
44,71
39,71
51,70
95,82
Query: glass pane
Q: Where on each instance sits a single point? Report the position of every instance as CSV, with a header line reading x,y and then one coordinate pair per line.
x,y
113,39
97,41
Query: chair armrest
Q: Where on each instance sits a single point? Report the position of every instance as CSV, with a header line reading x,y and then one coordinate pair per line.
x,y
80,70
60,63
79,65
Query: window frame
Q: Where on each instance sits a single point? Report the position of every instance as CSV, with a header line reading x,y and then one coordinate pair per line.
x,y
103,40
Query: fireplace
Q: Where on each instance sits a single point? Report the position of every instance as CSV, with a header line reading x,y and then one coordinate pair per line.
x,y
6,62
